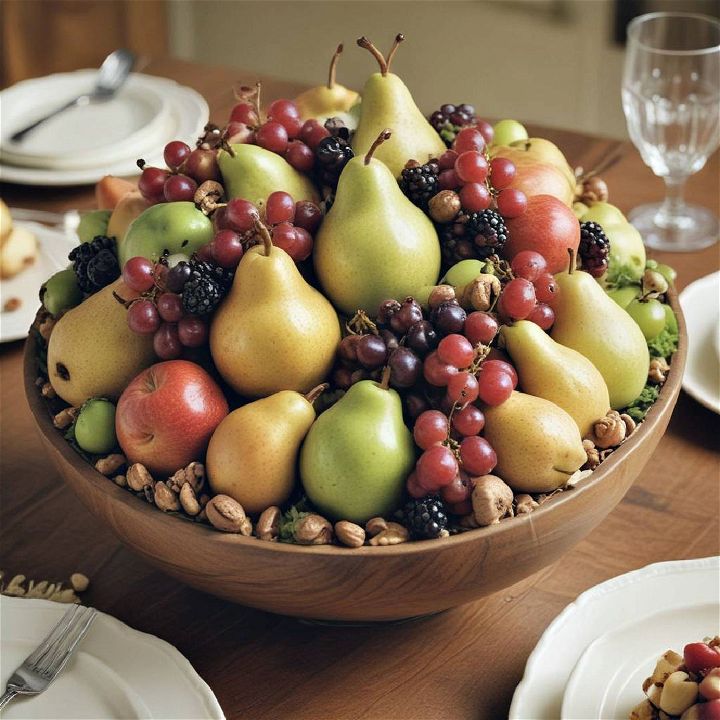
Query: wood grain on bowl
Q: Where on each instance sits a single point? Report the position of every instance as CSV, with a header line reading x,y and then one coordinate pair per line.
x,y
367,583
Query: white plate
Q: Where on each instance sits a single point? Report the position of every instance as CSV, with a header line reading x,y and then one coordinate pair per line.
x,y
117,672
700,302
625,599
82,136
607,682
188,115
54,246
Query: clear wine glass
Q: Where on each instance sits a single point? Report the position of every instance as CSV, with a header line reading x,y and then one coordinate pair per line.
x,y
671,99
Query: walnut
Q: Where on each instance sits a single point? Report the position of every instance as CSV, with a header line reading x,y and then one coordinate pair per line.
x,y
268,524
657,373
45,328
481,293
440,294
610,431
594,189
444,206
111,464
79,582
524,504
653,283
644,711
375,525
227,515
349,534
188,500
492,499
630,425
48,391
65,418
593,456
313,530
138,477
393,534
209,196
165,498
194,474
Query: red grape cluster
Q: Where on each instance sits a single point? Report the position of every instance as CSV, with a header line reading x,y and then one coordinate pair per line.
x,y
158,310
292,226
531,293
467,169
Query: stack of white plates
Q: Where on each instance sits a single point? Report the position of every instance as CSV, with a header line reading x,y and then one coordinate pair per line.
x,y
82,144
591,661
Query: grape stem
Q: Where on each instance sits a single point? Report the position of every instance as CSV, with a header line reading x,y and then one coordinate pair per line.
x,y
385,379
316,392
381,138
363,42
333,67
571,268
264,233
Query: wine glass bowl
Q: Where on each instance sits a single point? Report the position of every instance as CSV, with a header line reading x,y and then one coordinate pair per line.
x,y
671,100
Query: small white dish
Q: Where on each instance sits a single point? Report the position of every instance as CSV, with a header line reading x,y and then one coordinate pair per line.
x,y
666,586
53,248
186,117
117,672
700,302
607,681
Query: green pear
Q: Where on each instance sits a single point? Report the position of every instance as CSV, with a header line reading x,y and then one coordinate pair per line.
x,y
326,101
173,226
604,214
260,474
358,454
463,272
627,253
552,371
254,173
538,445
588,321
92,352
387,103
374,244
273,331
92,224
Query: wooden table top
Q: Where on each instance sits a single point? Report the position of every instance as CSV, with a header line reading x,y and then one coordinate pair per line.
x,y
464,663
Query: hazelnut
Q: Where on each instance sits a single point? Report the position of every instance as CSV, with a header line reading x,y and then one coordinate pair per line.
x,y
268,524
492,499
226,514
349,534
444,206
393,534
188,500
79,582
313,530
111,464
138,477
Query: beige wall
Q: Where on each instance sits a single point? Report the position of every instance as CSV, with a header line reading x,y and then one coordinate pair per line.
x,y
511,58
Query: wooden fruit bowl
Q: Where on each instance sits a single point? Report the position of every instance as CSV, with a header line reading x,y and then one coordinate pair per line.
x,y
368,583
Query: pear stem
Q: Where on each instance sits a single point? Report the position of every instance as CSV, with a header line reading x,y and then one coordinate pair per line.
x,y
396,44
571,269
363,42
316,392
385,379
333,67
264,233
381,138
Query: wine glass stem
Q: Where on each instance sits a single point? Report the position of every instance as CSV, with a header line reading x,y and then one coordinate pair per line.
x,y
673,207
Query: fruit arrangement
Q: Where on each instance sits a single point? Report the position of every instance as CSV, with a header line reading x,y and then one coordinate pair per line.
x,y
337,320
684,686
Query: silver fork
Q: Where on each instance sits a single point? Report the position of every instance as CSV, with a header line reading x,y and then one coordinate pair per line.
x,y
42,666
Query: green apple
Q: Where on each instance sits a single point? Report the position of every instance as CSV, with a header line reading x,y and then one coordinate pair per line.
x,y
671,323
61,292
175,226
463,272
506,132
95,427
649,315
667,272
92,224
625,295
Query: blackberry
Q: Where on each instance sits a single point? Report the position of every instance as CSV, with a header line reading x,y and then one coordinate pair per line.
x,y
205,287
95,263
473,235
420,182
425,518
331,156
594,248
450,119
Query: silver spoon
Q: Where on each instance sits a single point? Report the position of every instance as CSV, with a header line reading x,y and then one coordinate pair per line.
x,y
110,78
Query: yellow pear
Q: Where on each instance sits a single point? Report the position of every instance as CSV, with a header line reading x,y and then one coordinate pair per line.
x,y
538,445
326,101
387,103
557,373
92,352
260,470
273,331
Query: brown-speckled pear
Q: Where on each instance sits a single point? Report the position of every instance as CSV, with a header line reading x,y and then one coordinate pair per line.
x,y
387,103
92,352
557,373
538,445
260,473
273,331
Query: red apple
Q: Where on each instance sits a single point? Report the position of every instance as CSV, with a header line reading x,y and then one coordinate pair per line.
x,y
166,415
549,227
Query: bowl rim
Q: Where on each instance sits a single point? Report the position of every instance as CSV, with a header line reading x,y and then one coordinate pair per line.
x,y
668,392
